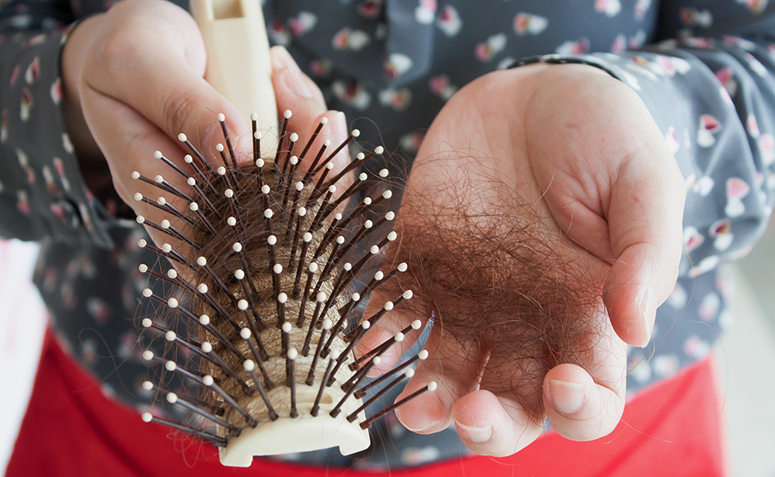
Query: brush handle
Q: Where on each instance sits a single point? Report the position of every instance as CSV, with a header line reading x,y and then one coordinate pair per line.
x,y
238,63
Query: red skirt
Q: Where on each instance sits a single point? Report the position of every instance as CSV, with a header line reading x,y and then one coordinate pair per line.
x,y
71,429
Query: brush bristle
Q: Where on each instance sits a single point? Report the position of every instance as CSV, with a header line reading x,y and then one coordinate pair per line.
x,y
270,262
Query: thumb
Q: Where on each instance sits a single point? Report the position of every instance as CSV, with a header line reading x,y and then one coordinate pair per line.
x,y
644,220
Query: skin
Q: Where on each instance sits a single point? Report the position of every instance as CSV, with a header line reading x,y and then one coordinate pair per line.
x,y
577,143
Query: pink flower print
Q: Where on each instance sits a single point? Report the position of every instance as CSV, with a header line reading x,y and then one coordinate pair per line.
x,y
33,71
4,126
727,78
411,142
89,351
24,163
440,86
694,17
528,23
752,125
449,21
370,8
353,94
56,91
98,309
320,68
397,64
709,126
420,455
22,202
398,100
347,39
278,33
579,47
486,51
665,365
736,190
641,7
767,149
14,75
51,184
692,239
68,295
26,104
755,6
709,307
638,39
672,140
425,13
126,342
678,297
302,24
60,168
695,347
619,44
610,7
721,231
50,279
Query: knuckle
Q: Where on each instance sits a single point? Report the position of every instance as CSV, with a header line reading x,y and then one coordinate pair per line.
x,y
176,109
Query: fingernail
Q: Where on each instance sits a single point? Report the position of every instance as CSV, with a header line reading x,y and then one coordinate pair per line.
x,y
647,304
566,397
474,434
282,60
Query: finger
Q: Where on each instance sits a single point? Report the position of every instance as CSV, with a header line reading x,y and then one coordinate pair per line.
x,y
645,226
584,405
165,84
489,425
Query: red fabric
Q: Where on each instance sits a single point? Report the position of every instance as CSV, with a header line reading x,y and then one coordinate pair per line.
x,y
70,429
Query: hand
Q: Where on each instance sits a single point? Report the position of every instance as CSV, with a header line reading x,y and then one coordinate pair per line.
x,y
133,81
582,151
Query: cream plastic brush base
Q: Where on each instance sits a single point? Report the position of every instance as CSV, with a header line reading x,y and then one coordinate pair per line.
x,y
289,435
238,63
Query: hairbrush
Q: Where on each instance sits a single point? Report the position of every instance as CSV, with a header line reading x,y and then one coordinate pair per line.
x,y
277,261
270,273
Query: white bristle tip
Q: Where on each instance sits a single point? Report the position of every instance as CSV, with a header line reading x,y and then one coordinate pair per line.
x,y
287,114
248,365
293,160
332,189
330,166
138,196
268,213
387,194
237,247
239,274
302,211
171,366
207,346
399,337
165,224
182,137
221,170
355,133
390,215
190,181
159,178
379,150
219,147
374,250
242,304
142,243
365,325
259,162
327,325
166,248
188,159
278,269
140,219
293,354
147,293
221,117
201,261
408,294
172,302
147,322
204,320
402,267
416,324
307,237
363,176
207,380
335,355
286,327
157,154
147,417
423,354
147,385
147,355
172,273
202,288
231,221
389,306
228,193
367,200
193,206
340,240
324,120
384,173
294,137
327,142
271,240
161,201
245,334
172,398
432,386
347,267
282,298
265,189
299,186
360,156
321,297
170,335
379,276
135,175
376,360
143,268
409,373
254,117
313,267
356,296
368,224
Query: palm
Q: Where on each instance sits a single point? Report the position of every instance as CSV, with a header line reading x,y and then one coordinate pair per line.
x,y
576,149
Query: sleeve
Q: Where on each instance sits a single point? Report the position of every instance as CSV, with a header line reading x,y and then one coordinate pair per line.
x,y
42,193
711,90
